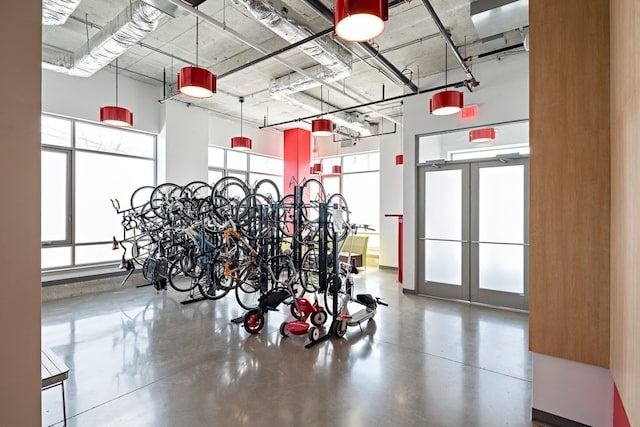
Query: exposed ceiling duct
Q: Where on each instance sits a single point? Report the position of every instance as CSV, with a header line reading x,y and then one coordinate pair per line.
x,y
335,60
292,83
491,17
56,12
131,25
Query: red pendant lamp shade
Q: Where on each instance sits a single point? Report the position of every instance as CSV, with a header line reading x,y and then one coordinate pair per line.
x,y
360,20
321,127
482,135
399,159
196,82
317,168
446,102
241,143
116,116
336,169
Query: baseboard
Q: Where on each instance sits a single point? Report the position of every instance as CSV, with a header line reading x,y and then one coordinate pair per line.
x,y
408,291
553,420
387,267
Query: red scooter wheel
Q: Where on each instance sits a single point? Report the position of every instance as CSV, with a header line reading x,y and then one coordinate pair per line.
x,y
253,321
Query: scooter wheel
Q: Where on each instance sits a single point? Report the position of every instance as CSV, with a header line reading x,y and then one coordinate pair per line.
x,y
339,327
253,321
319,318
313,333
283,329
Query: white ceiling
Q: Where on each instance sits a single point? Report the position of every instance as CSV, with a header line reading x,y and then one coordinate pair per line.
x,y
411,42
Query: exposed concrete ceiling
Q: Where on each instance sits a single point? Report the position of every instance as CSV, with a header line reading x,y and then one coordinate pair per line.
x,y
411,42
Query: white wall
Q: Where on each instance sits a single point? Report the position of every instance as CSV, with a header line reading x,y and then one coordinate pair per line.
x,y
572,390
82,97
503,95
182,144
264,141
391,193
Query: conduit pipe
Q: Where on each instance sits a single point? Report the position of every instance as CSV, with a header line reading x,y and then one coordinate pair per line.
x,y
367,104
375,55
234,35
447,38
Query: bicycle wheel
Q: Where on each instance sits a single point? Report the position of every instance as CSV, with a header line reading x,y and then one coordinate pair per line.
x,y
312,195
141,196
215,285
310,270
338,216
253,217
178,280
334,290
163,199
286,276
267,188
248,287
231,187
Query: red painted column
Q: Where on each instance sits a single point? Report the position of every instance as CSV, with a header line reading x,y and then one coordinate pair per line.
x,y
297,157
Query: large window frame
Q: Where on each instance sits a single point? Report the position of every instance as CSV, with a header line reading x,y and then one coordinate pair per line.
x,y
70,149
224,167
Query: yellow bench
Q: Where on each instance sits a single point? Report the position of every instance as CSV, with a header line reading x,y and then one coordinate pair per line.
x,y
357,246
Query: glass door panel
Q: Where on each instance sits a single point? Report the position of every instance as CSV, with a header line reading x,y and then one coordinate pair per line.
x,y
443,231
499,231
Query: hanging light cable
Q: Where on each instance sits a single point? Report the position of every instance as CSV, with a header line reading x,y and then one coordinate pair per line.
x,y
448,101
241,142
114,115
321,127
196,82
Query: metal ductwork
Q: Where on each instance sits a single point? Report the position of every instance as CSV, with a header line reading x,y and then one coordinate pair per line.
x,y
335,60
293,83
56,12
131,25
347,120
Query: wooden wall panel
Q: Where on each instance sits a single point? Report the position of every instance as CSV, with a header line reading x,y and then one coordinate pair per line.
x,y
625,203
569,172
21,46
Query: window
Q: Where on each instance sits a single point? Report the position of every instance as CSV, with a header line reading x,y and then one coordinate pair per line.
x,y
249,167
84,165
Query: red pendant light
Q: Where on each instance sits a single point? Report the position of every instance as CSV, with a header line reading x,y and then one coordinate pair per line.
x,y
399,159
196,82
116,116
336,169
113,115
360,20
482,135
446,102
241,142
321,127
317,168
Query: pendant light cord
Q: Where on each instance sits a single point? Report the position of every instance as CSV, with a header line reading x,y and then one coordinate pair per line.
x,y
241,99
445,66
116,82
197,38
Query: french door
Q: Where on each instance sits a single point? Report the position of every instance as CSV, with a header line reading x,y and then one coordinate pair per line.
x,y
473,232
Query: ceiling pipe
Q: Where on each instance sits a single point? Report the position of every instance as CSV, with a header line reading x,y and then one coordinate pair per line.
x,y
235,36
275,53
447,38
367,104
323,11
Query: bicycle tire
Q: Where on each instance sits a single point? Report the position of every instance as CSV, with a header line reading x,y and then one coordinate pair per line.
x,y
310,270
141,196
247,287
162,198
334,288
178,280
215,285
267,188
253,217
230,187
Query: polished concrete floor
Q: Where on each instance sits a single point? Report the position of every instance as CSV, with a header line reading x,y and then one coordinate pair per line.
x,y
140,358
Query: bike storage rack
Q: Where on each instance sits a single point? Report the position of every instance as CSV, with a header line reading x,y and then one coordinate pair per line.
x,y
186,229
